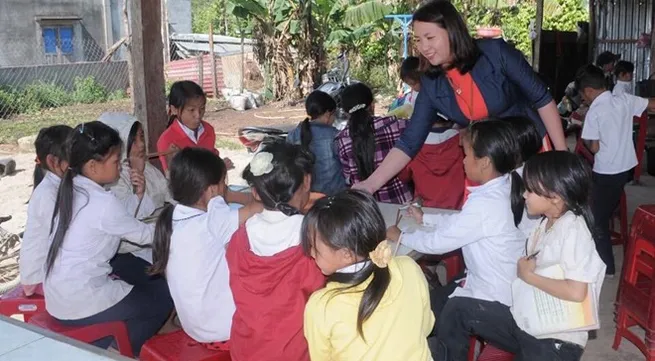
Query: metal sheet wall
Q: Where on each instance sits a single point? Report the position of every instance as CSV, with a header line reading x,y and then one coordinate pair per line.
x,y
619,24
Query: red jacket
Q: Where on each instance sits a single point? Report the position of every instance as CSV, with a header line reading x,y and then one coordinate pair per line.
x,y
270,294
438,174
176,135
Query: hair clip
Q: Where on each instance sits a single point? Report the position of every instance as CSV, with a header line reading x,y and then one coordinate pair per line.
x,y
82,128
356,108
329,202
382,255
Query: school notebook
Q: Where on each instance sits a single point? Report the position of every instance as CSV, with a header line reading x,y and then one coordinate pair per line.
x,y
539,314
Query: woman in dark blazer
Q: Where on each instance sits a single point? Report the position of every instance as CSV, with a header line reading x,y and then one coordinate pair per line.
x,y
467,80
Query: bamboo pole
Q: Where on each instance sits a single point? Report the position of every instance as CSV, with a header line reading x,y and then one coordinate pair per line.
x,y
536,53
212,60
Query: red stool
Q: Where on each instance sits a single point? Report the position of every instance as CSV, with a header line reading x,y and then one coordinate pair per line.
x,y
487,352
620,237
636,306
176,346
87,334
15,302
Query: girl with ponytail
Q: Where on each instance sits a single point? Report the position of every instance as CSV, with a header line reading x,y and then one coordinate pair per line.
x,y
487,230
316,134
87,226
367,139
190,241
374,306
270,276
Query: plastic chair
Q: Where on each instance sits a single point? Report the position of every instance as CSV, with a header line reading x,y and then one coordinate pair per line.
x,y
642,122
87,334
620,236
635,301
487,352
15,302
176,346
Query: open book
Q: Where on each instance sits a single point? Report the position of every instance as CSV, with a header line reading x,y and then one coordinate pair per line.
x,y
538,313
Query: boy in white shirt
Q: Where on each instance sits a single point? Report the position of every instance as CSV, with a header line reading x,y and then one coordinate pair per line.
x,y
623,72
607,132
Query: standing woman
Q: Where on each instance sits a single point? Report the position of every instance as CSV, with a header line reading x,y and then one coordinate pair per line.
x,y
466,80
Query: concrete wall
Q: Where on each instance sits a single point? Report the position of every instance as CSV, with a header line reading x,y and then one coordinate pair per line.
x,y
179,16
20,32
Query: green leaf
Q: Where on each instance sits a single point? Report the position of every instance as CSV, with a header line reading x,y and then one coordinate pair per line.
x,y
366,13
294,27
253,7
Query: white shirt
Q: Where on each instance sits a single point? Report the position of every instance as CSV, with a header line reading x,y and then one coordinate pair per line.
x,y
155,196
569,243
271,232
197,272
622,87
192,133
79,285
36,240
485,232
609,120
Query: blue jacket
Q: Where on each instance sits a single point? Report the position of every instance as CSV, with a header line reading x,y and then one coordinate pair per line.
x,y
506,81
327,177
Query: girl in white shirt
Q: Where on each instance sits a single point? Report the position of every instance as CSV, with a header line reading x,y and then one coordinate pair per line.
x,y
89,225
51,164
190,241
487,232
136,174
557,188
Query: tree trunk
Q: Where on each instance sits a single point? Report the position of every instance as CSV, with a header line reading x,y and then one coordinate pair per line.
x,y
128,47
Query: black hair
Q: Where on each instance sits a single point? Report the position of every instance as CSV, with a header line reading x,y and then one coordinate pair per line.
x,y
464,51
181,92
409,69
131,138
527,135
49,141
590,76
623,66
356,100
495,139
316,104
291,163
566,175
192,171
606,57
88,141
351,219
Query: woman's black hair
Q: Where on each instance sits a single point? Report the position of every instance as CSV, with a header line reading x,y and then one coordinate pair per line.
x,y
566,175
350,220
530,142
410,69
131,138
291,163
464,51
495,139
356,100
181,92
316,104
49,141
192,171
88,141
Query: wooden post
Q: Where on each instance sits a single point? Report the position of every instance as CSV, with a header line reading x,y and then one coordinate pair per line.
x,y
212,60
148,90
592,38
536,52
201,71
652,47
243,58
164,31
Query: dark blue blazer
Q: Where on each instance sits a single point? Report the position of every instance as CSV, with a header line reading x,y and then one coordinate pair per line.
x,y
506,81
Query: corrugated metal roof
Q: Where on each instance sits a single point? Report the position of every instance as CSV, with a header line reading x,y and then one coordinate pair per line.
x,y
619,24
190,45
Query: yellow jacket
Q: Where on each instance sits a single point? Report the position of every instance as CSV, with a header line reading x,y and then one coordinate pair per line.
x,y
397,329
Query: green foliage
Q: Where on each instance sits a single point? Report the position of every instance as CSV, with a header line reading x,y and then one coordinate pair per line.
x,y
377,78
88,91
43,95
117,95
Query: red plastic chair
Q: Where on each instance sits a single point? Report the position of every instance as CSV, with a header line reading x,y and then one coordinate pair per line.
x,y
635,301
177,346
487,352
87,334
642,121
15,302
620,236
